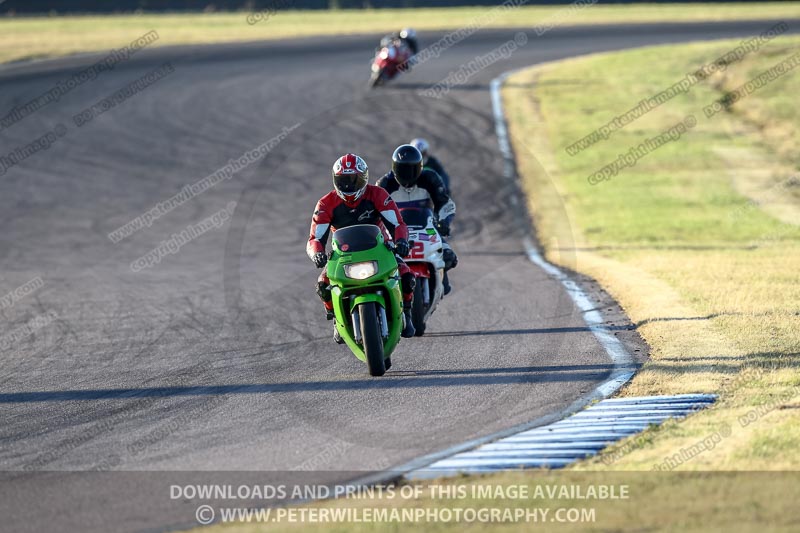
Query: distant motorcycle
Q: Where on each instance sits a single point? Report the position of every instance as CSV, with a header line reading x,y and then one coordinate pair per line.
x,y
426,262
388,62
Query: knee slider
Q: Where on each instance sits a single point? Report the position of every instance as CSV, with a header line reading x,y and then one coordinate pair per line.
x,y
450,258
324,291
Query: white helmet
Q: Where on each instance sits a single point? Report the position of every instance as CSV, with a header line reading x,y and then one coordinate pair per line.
x,y
421,145
408,33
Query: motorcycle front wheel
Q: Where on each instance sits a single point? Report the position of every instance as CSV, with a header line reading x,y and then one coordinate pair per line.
x,y
376,79
373,342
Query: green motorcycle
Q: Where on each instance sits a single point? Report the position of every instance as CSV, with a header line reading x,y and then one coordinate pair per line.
x,y
367,298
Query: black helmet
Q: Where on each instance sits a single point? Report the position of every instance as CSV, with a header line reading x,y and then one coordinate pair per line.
x,y
406,165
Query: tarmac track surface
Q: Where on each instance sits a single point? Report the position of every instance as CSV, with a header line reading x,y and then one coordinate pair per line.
x,y
219,358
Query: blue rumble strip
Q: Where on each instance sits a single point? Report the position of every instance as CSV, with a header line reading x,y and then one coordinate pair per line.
x,y
576,437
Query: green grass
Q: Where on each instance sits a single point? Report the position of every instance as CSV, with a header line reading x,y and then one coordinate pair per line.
x,y
39,37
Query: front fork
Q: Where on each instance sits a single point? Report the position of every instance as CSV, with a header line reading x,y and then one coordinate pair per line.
x,y
357,326
384,322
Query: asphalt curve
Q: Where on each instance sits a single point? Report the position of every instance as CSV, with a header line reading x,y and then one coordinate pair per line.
x,y
218,358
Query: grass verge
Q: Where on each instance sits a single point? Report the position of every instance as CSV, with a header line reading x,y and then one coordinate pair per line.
x,y
24,38
699,240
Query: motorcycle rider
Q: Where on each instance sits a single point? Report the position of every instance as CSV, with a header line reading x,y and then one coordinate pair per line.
x,y
406,37
410,185
431,162
354,201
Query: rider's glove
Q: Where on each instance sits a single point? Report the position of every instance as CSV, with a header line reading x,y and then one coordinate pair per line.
x,y
401,247
444,228
320,259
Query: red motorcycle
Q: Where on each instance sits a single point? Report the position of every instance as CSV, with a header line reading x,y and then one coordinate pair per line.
x,y
389,61
426,261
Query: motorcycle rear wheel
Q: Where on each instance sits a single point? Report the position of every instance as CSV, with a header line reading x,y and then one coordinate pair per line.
x,y
418,308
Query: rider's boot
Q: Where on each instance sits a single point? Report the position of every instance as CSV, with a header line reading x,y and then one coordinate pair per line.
x,y
328,310
324,293
450,261
330,316
408,322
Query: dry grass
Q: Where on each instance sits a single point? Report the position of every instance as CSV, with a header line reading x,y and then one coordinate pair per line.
x,y
24,38
699,241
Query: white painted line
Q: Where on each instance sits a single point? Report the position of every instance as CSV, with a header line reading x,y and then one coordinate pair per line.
x,y
681,398
644,406
503,463
663,408
611,424
482,453
557,430
609,418
619,425
451,472
574,445
643,412
650,411
622,359
608,436
563,439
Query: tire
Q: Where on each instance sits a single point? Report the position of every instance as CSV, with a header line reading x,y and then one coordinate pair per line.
x,y
373,342
376,79
418,308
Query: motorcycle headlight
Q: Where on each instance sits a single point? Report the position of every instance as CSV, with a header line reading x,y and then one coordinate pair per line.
x,y
364,270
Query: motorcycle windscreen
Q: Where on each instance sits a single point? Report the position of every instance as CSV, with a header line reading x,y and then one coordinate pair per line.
x,y
357,238
416,217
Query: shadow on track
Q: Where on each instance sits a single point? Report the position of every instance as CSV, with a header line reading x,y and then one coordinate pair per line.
x,y
419,379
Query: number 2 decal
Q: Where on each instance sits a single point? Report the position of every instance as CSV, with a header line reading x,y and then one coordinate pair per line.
x,y
418,251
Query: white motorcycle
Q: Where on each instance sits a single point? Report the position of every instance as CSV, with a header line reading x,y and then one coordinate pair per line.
x,y
425,261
